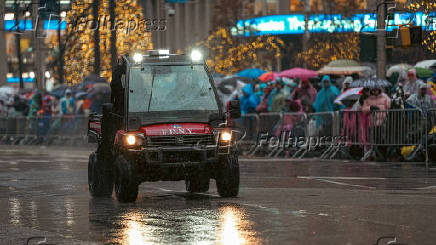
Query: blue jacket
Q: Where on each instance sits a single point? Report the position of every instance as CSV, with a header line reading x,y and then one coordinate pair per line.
x,y
326,96
64,105
248,100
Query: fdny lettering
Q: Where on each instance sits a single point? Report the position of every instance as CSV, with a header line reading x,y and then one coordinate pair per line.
x,y
176,131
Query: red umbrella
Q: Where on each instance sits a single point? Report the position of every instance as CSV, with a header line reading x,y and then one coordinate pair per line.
x,y
269,76
298,73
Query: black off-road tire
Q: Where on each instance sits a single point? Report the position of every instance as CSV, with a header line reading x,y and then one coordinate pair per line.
x,y
198,182
100,177
227,176
126,184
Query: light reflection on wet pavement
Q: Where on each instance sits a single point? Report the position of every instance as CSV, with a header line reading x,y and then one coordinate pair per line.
x,y
43,192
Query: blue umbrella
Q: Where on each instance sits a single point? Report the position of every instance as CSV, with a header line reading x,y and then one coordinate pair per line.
x,y
251,73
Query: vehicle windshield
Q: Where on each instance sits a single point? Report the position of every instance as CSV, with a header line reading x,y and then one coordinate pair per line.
x,y
170,88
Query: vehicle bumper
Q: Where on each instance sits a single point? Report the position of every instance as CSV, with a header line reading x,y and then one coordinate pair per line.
x,y
176,156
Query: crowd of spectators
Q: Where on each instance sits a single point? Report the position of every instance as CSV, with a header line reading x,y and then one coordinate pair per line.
x,y
363,114
41,103
301,95
49,113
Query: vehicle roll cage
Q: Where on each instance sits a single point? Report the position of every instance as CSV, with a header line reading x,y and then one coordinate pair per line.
x,y
161,60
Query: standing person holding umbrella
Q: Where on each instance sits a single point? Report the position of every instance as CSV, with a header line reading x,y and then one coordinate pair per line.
x,y
375,107
378,101
371,100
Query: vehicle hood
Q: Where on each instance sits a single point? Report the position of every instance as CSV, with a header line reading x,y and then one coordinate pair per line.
x,y
176,129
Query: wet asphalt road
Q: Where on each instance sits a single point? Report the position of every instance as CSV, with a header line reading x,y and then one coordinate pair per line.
x,y
43,192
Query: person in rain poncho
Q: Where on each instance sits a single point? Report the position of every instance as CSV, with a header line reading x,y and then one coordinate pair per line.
x,y
378,101
346,84
261,93
263,106
324,102
306,92
67,103
421,99
411,85
278,96
35,104
248,100
294,111
325,98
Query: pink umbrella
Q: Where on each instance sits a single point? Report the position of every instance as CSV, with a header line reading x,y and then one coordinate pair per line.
x,y
298,73
269,76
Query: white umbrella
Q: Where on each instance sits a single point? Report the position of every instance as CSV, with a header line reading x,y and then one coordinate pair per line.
x,y
428,64
346,70
349,92
370,82
398,68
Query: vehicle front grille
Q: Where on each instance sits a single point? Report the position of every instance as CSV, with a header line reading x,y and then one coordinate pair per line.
x,y
180,140
174,157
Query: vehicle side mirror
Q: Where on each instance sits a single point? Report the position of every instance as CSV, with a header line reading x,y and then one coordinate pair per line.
x,y
216,117
234,109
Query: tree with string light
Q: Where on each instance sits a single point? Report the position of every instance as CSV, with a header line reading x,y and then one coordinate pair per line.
x,y
323,50
428,7
81,43
227,55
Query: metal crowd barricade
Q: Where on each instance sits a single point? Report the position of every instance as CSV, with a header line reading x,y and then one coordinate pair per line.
x,y
66,130
265,131
276,133
289,132
321,134
395,128
248,125
390,129
351,130
15,130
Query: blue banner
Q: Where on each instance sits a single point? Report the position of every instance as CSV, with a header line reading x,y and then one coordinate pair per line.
x,y
17,80
323,23
27,25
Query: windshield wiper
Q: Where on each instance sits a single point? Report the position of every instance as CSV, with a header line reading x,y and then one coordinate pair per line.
x,y
151,92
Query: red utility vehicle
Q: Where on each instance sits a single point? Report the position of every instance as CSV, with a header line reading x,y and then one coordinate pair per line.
x,y
165,123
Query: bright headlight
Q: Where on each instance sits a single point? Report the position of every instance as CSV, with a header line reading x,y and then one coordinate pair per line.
x,y
131,140
196,55
226,136
137,57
